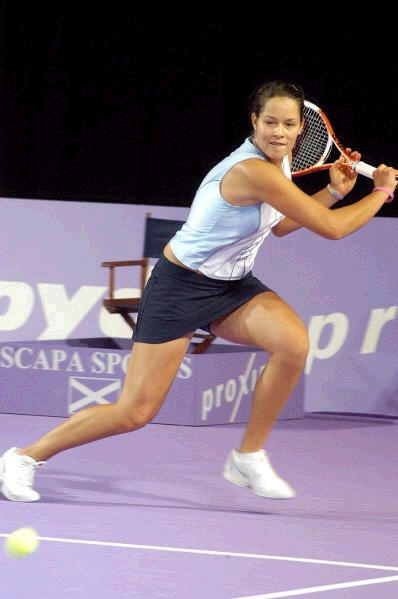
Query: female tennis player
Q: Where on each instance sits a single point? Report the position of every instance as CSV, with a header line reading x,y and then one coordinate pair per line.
x,y
204,280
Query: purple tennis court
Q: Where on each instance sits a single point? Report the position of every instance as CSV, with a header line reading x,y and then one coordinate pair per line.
x,y
125,140
148,515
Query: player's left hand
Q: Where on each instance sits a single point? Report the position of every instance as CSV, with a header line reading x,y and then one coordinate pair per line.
x,y
342,175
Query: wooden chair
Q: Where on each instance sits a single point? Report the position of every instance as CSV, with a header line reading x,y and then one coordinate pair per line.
x,y
158,231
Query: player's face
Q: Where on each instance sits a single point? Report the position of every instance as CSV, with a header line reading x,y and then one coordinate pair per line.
x,y
277,127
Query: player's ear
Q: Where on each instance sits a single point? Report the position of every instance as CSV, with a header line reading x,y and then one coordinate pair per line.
x,y
253,119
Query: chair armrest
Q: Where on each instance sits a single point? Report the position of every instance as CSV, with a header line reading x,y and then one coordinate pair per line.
x,y
124,263
112,265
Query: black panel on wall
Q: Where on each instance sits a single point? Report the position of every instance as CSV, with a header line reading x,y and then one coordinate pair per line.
x,y
110,107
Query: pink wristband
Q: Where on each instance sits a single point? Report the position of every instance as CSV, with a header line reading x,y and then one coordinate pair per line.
x,y
388,192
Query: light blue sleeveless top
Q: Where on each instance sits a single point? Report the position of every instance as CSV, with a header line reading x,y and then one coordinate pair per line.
x,y
219,239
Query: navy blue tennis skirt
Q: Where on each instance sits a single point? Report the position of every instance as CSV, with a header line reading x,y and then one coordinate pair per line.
x,y
177,301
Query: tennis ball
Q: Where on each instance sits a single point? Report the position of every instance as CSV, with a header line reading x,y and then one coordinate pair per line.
x,y
21,542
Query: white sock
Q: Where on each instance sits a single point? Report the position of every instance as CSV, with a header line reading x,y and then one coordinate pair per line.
x,y
249,456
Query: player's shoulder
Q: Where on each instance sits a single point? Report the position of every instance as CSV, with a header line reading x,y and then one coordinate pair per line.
x,y
251,179
254,168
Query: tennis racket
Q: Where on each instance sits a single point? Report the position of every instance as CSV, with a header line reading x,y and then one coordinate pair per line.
x,y
315,143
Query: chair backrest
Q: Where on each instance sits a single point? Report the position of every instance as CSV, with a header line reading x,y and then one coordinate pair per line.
x,y
158,232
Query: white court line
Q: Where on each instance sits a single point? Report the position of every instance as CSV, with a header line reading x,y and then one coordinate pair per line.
x,y
220,553
329,587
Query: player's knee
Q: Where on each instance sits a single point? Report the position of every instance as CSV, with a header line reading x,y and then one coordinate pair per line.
x,y
297,346
136,417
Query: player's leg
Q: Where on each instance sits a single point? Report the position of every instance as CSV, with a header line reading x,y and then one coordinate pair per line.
x,y
150,373
266,321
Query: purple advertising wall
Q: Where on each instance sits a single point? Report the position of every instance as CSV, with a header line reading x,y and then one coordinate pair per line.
x,y
52,286
60,378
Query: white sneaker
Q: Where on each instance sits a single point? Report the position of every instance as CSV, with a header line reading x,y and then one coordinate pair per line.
x,y
17,473
254,470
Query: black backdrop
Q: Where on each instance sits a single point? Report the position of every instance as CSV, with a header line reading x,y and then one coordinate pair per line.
x,y
106,106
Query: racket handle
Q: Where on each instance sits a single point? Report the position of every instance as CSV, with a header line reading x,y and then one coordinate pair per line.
x,y
364,169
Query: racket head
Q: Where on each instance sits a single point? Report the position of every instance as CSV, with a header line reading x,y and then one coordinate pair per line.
x,y
314,143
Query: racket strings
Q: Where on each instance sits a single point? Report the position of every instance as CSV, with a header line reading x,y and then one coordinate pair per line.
x,y
313,144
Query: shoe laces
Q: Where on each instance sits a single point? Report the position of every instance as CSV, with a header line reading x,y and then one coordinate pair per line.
x,y
262,465
26,472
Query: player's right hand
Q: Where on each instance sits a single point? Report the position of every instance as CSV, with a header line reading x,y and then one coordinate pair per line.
x,y
385,176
